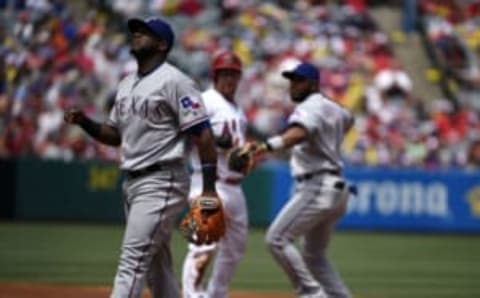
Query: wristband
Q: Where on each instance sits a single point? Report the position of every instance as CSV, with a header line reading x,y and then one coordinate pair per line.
x,y
91,127
209,173
275,143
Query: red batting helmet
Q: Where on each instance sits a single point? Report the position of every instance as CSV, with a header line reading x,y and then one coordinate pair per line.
x,y
226,60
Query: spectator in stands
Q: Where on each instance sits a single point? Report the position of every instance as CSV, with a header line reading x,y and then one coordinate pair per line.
x,y
3,90
393,83
358,64
409,16
4,104
473,157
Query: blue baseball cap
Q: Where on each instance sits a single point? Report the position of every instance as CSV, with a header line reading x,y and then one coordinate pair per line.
x,y
157,26
304,70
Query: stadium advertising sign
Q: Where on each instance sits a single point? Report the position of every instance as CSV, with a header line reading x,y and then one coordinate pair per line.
x,y
391,198
414,200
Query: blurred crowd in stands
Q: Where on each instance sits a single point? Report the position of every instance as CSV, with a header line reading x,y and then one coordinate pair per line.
x,y
55,54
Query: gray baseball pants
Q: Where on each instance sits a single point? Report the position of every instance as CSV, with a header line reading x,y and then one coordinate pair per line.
x,y
312,212
152,203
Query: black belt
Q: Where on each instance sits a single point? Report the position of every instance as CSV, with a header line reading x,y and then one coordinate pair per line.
x,y
145,171
308,176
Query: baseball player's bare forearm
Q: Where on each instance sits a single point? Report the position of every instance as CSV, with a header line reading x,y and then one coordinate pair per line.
x,y
208,157
101,132
292,136
242,160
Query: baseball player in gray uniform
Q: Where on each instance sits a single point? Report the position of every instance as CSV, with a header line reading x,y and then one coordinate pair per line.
x,y
155,109
316,130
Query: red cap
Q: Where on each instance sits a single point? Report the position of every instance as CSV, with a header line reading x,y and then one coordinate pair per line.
x,y
227,60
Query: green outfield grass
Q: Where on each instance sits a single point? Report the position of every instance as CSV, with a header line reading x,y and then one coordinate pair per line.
x,y
374,265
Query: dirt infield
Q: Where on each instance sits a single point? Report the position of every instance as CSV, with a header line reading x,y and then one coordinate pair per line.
x,y
57,291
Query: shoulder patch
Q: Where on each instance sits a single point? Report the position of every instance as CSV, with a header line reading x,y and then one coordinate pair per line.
x,y
188,102
190,106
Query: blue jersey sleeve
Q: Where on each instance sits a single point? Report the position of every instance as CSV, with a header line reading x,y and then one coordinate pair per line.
x,y
198,128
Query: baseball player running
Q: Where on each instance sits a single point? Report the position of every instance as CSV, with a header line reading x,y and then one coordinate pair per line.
x,y
316,129
155,109
229,126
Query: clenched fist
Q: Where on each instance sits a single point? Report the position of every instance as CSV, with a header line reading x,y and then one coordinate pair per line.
x,y
74,116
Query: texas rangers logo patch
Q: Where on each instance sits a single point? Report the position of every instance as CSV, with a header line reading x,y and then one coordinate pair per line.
x,y
190,105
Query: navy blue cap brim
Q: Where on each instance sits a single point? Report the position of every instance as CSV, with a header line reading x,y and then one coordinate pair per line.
x,y
134,24
292,75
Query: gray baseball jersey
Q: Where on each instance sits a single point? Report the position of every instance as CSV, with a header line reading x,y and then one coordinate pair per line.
x,y
326,123
150,111
319,200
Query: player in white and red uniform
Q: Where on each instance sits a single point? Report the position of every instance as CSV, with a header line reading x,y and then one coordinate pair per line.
x,y
229,127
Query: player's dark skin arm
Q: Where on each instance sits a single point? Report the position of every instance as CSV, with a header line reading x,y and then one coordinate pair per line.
x,y
293,135
296,134
101,132
207,152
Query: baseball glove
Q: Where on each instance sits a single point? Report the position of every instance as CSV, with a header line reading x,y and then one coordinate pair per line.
x,y
241,159
205,222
